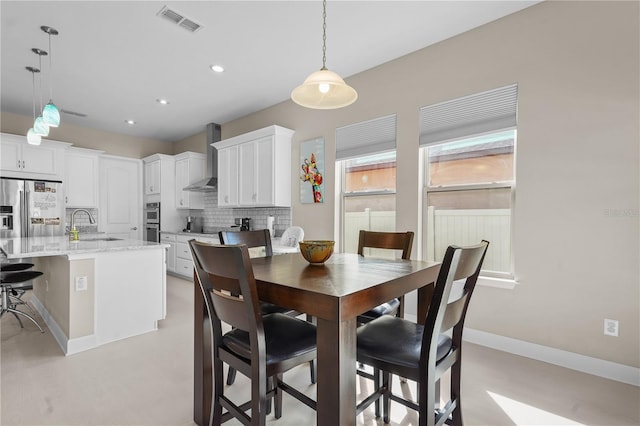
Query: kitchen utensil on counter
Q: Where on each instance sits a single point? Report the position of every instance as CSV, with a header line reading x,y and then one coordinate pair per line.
x,y
246,224
194,224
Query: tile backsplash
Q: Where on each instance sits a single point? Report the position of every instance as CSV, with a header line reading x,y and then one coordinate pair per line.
x,y
214,218
82,221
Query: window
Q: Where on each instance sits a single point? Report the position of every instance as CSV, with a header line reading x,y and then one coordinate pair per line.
x,y
368,197
469,148
367,166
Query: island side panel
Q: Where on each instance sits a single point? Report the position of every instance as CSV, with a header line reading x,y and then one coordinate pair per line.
x,y
81,298
130,293
51,293
68,312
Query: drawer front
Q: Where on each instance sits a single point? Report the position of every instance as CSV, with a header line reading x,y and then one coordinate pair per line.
x,y
183,251
184,267
209,240
184,238
167,237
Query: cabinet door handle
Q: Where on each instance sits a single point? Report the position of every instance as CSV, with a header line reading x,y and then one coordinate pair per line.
x,y
18,163
66,200
23,164
135,228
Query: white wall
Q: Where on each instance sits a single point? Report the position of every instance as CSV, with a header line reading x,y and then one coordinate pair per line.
x,y
576,219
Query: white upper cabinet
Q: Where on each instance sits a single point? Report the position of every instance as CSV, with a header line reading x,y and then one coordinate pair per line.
x,y
19,159
228,176
81,175
190,168
152,177
254,169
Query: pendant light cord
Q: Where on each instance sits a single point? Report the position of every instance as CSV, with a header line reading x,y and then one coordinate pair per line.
x,y
50,71
324,34
33,84
40,63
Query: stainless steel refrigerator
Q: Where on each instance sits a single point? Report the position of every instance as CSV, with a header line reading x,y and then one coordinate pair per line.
x,y
31,208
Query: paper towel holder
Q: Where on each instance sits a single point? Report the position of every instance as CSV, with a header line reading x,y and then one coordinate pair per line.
x,y
270,225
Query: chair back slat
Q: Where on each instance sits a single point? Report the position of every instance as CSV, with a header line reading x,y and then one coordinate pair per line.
x,y
386,240
453,312
458,263
226,278
258,238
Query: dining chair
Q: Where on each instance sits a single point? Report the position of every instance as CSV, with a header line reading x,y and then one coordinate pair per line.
x,y
256,239
262,347
388,241
423,353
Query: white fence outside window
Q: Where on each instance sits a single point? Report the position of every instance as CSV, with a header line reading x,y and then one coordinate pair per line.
x,y
443,228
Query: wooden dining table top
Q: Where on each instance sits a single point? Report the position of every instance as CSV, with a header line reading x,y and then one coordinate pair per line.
x,y
356,282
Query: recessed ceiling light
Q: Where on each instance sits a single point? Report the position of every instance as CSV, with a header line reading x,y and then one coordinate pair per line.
x,y
162,101
130,122
217,68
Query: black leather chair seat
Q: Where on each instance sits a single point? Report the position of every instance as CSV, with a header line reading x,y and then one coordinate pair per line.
x,y
20,277
285,338
395,341
269,308
13,267
388,308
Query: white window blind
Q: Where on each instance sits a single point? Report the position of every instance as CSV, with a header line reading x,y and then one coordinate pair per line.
x,y
366,137
470,115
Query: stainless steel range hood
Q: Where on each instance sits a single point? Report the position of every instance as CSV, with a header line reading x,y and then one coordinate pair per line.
x,y
210,182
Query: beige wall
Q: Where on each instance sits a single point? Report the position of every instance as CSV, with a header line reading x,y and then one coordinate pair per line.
x,y
576,221
195,143
82,137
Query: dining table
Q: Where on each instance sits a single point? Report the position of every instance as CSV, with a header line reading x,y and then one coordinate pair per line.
x,y
334,293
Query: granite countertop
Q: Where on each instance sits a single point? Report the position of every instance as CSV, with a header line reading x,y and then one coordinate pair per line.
x,y
276,243
208,233
16,248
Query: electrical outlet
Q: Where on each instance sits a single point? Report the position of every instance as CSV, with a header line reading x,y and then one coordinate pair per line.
x,y
610,327
81,283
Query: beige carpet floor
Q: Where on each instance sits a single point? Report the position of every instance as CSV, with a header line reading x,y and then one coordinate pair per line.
x,y
148,380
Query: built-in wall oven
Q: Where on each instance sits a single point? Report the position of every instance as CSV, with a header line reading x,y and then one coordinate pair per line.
x,y
152,222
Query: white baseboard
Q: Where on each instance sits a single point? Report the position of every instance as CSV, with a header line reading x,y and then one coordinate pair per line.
x,y
586,364
68,346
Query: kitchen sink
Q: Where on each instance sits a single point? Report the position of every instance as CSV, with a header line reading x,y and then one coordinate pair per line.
x,y
101,239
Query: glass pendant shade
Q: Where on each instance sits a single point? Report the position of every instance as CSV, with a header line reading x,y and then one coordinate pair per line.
x,y
40,127
32,138
324,89
51,115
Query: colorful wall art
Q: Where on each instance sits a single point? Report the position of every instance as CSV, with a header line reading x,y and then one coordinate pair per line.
x,y
312,171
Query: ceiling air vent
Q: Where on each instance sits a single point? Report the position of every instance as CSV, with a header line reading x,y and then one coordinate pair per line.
x,y
77,114
179,19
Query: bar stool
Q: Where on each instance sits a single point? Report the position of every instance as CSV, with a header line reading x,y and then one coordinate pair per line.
x,y
15,294
12,287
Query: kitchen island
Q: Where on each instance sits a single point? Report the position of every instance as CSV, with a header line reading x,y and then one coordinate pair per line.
x,y
96,290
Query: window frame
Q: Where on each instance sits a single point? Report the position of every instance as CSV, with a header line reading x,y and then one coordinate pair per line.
x,y
427,189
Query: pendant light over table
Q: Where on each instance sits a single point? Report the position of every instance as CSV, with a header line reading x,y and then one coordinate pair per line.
x,y
324,89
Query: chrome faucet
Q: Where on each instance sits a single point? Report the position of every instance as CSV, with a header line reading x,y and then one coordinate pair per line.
x,y
73,217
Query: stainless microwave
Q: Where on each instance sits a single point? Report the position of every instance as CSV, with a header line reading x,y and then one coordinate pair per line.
x,y
152,213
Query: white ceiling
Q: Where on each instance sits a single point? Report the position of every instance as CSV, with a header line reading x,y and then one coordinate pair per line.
x,y
113,59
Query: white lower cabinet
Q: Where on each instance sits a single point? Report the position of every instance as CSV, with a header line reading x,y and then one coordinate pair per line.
x,y
184,261
171,251
179,255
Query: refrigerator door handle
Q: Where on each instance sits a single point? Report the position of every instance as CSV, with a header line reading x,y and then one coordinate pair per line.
x,y
26,213
23,214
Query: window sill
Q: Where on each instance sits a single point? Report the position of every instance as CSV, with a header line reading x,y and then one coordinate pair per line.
x,y
503,283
